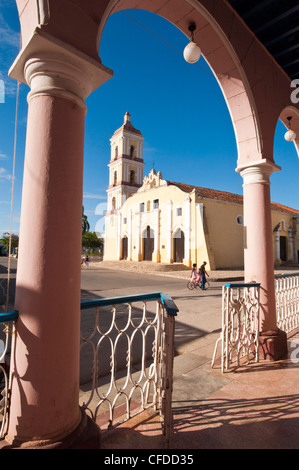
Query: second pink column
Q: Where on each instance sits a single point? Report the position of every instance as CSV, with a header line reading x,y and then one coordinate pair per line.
x,y
258,251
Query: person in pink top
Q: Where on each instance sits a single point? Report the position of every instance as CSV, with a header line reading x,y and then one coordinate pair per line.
x,y
195,276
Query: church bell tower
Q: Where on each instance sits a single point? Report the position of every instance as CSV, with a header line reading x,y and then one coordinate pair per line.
x,y
125,166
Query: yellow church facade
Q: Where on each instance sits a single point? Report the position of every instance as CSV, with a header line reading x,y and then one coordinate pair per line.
x,y
152,219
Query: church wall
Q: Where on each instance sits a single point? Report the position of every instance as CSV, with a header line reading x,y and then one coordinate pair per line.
x,y
296,242
200,250
216,228
223,230
110,245
156,218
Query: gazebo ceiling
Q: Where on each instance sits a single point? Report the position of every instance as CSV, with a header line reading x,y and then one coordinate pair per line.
x,y
276,24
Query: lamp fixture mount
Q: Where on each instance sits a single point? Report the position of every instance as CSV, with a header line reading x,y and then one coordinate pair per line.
x,y
192,28
192,52
290,135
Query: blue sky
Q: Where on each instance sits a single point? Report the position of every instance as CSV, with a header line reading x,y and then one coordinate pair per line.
x,y
178,107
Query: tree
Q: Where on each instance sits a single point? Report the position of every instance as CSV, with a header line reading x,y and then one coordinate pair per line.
x,y
85,224
91,241
4,241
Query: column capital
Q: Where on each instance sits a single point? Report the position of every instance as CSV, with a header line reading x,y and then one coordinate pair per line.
x,y
258,171
54,68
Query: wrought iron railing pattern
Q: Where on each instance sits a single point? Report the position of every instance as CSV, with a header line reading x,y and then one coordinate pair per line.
x,y
239,336
127,348
287,301
7,322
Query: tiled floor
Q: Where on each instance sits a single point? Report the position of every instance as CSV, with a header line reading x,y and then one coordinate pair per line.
x,y
257,409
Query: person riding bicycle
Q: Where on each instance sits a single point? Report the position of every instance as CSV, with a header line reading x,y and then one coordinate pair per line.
x,y
195,275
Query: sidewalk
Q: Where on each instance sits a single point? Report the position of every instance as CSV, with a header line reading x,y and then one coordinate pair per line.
x,y
178,270
256,407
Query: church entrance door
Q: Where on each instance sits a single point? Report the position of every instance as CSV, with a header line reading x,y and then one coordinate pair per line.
x,y
125,248
148,244
179,246
283,248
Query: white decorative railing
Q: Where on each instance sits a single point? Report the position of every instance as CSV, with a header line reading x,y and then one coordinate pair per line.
x,y
7,321
240,325
127,358
287,301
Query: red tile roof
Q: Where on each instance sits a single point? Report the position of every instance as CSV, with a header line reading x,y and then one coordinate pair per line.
x,y
227,197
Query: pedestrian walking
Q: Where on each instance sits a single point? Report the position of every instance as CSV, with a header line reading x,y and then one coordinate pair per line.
x,y
203,274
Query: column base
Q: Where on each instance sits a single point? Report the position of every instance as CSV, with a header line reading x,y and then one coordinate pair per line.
x,y
273,345
87,435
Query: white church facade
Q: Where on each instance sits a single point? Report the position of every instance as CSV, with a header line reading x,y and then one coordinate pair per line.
x,y
152,219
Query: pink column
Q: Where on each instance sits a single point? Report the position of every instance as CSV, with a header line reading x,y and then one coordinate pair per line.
x,y
45,372
258,252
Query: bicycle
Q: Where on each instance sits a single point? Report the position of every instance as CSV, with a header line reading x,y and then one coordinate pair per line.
x,y
191,285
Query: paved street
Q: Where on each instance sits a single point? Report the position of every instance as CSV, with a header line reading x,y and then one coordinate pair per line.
x,y
199,319
197,325
4,281
198,322
199,311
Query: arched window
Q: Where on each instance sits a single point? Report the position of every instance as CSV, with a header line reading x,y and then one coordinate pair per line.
x,y
116,152
132,151
132,177
113,203
115,177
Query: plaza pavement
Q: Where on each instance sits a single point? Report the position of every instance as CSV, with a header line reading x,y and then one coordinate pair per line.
x,y
254,407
